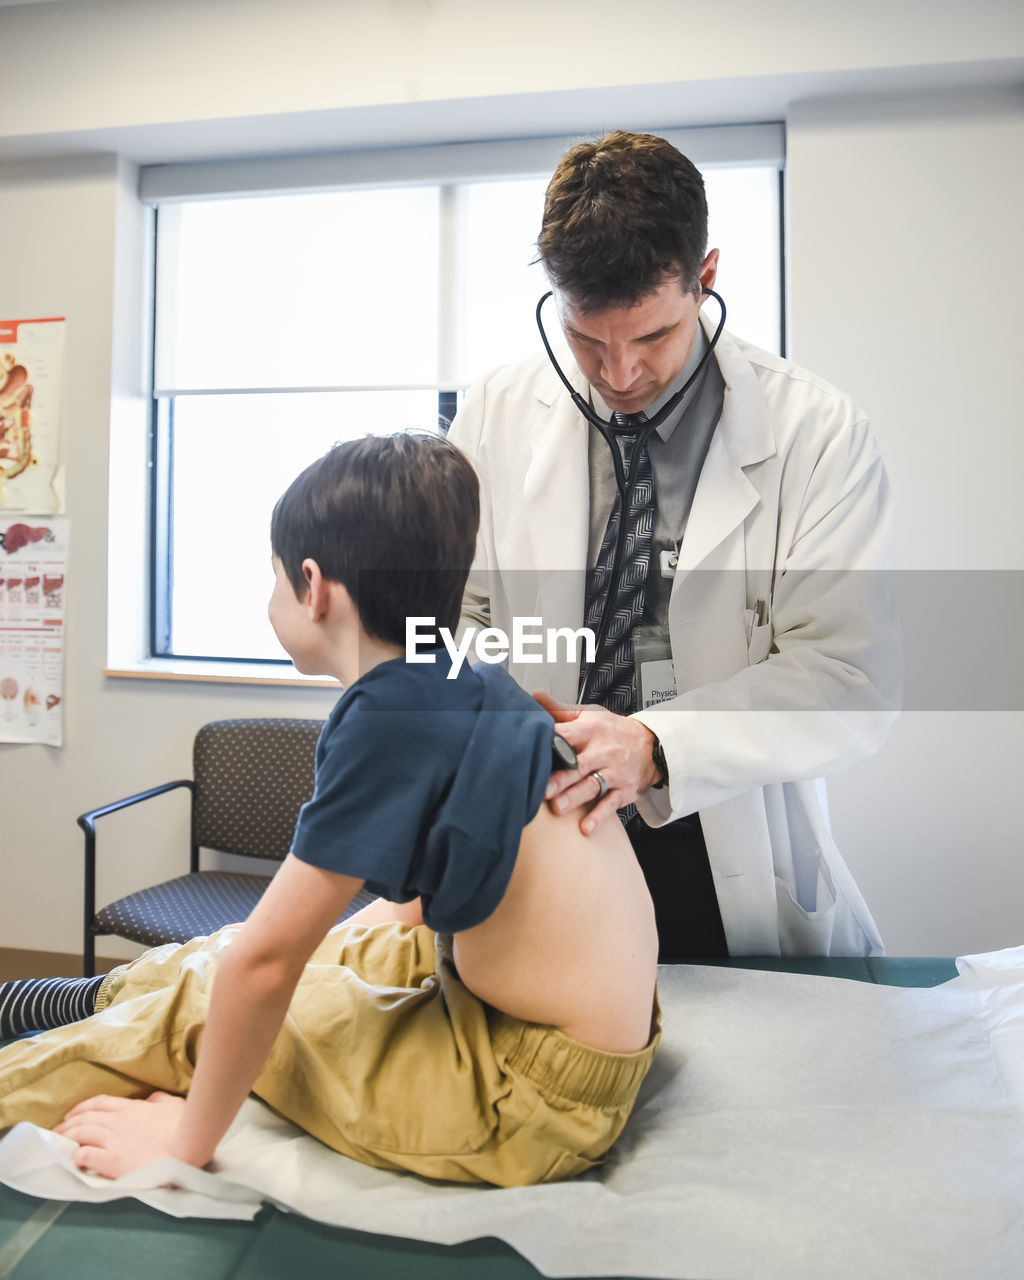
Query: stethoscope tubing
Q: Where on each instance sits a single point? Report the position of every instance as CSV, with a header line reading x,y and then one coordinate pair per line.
x,y
624,485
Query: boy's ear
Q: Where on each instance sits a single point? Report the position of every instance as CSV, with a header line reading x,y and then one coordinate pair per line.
x,y
323,594
316,590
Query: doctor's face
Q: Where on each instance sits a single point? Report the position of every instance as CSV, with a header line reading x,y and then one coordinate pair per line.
x,y
632,355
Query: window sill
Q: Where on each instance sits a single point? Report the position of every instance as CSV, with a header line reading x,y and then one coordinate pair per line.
x,y
210,672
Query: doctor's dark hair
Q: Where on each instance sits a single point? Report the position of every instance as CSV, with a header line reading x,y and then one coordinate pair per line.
x,y
621,216
394,519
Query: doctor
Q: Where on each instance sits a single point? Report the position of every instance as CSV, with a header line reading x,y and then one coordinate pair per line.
x,y
750,643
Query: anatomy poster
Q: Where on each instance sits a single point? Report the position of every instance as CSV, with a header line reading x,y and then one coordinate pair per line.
x,y
33,583
31,367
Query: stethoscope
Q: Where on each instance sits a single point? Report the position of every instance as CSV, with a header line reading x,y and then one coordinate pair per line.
x,y
625,486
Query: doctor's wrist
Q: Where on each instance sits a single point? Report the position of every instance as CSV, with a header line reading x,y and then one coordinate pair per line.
x,y
659,763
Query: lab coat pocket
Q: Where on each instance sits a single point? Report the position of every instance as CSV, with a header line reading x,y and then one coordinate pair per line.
x,y
803,932
759,645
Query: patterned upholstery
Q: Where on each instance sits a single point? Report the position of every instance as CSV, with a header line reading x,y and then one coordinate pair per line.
x,y
251,777
192,906
188,907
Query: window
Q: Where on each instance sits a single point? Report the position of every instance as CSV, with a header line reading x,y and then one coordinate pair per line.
x,y
286,320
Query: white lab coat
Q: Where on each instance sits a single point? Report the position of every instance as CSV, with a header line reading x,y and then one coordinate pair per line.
x,y
793,489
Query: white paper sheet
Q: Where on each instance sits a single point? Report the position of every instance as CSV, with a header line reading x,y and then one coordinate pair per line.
x,y
792,1127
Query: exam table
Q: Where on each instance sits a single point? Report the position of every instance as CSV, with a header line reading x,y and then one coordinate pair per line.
x,y
126,1240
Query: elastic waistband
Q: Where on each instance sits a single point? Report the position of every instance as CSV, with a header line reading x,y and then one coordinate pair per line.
x,y
564,1068
559,1066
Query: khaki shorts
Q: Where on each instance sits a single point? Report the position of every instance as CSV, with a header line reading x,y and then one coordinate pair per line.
x,y
384,1056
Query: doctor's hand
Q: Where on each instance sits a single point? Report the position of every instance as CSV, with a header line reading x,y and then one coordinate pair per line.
x,y
616,747
117,1135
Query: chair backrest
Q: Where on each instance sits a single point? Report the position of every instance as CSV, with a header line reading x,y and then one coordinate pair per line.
x,y
251,778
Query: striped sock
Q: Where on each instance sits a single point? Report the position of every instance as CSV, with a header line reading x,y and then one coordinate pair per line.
x,y
38,1004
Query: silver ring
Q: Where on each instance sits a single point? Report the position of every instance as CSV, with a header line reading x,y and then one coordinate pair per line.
x,y
601,782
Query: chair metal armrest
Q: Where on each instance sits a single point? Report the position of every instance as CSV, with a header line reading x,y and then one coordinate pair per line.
x,y
87,821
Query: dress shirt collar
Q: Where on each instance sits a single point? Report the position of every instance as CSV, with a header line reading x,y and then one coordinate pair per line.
x,y
700,345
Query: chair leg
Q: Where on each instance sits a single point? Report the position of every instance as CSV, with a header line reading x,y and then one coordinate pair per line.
x,y
89,898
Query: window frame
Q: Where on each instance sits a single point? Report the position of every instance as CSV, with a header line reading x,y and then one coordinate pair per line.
x,y
447,166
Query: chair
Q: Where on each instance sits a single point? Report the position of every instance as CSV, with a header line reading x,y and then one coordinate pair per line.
x,y
249,780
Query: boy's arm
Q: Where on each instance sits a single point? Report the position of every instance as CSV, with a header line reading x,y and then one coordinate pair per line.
x,y
251,994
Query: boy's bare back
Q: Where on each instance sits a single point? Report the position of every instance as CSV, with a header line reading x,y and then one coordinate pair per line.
x,y
573,942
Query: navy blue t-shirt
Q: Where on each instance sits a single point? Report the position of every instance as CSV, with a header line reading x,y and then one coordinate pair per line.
x,y
424,786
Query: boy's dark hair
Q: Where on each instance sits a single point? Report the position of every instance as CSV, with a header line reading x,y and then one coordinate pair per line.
x,y
621,216
394,519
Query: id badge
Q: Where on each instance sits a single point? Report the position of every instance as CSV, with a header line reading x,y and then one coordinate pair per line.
x,y
655,670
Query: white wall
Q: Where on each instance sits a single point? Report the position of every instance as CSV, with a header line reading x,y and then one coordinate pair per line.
x,y
177,79
120,736
906,269
122,63
893,281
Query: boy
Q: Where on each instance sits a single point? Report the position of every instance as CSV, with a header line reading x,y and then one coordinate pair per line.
x,y
490,1017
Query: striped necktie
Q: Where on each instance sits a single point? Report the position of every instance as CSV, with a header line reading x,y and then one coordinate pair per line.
x,y
612,680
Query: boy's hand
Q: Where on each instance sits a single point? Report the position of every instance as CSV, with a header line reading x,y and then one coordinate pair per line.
x,y
617,747
117,1135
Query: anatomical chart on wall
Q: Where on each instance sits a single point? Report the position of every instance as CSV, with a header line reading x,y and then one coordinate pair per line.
x,y
31,368
33,582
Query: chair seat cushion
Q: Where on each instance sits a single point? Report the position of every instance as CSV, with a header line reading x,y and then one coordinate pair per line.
x,y
191,906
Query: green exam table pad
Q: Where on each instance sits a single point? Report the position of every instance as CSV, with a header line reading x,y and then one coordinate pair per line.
x,y
793,1125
